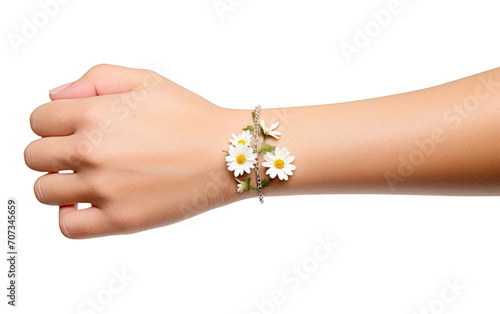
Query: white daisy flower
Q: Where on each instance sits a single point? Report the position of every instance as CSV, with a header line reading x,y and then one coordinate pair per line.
x,y
269,131
242,185
279,163
240,158
244,138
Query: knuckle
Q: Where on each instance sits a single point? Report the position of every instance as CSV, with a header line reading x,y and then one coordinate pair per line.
x,y
28,160
99,68
87,154
64,229
151,74
38,188
91,114
100,186
87,149
33,119
69,159
73,156
151,78
41,113
83,154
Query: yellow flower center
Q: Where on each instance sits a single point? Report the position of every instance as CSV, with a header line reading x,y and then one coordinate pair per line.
x,y
240,159
279,164
242,141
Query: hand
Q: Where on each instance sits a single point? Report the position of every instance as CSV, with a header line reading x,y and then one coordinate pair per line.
x,y
145,152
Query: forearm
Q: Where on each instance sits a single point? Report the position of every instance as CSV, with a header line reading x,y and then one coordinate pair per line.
x,y
146,152
440,140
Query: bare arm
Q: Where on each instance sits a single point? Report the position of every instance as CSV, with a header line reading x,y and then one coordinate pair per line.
x,y
146,152
442,140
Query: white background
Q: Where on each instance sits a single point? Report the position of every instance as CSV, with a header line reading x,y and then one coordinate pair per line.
x,y
396,252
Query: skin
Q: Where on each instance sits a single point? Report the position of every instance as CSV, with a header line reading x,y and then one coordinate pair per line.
x,y
146,153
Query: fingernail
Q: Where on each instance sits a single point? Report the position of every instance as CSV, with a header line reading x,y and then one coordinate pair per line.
x,y
59,88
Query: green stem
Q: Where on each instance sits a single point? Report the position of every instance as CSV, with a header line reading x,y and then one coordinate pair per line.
x,y
263,145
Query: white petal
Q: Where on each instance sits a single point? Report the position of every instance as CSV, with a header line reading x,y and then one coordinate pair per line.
x,y
280,155
288,171
274,126
232,166
235,137
238,148
269,157
291,167
284,153
277,152
239,171
232,150
267,164
246,168
272,172
230,158
247,150
289,159
275,134
281,174
262,123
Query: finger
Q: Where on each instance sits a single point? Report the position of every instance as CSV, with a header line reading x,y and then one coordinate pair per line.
x,y
85,223
57,117
105,79
62,189
52,154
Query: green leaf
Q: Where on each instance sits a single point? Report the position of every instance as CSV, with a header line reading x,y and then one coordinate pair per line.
x,y
248,128
266,149
265,183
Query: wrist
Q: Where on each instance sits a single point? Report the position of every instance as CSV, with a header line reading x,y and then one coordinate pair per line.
x,y
233,121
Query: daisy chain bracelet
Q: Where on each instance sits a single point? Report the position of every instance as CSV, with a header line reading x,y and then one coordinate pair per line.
x,y
243,155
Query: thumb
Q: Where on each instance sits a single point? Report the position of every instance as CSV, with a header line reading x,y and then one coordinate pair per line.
x,y
105,79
